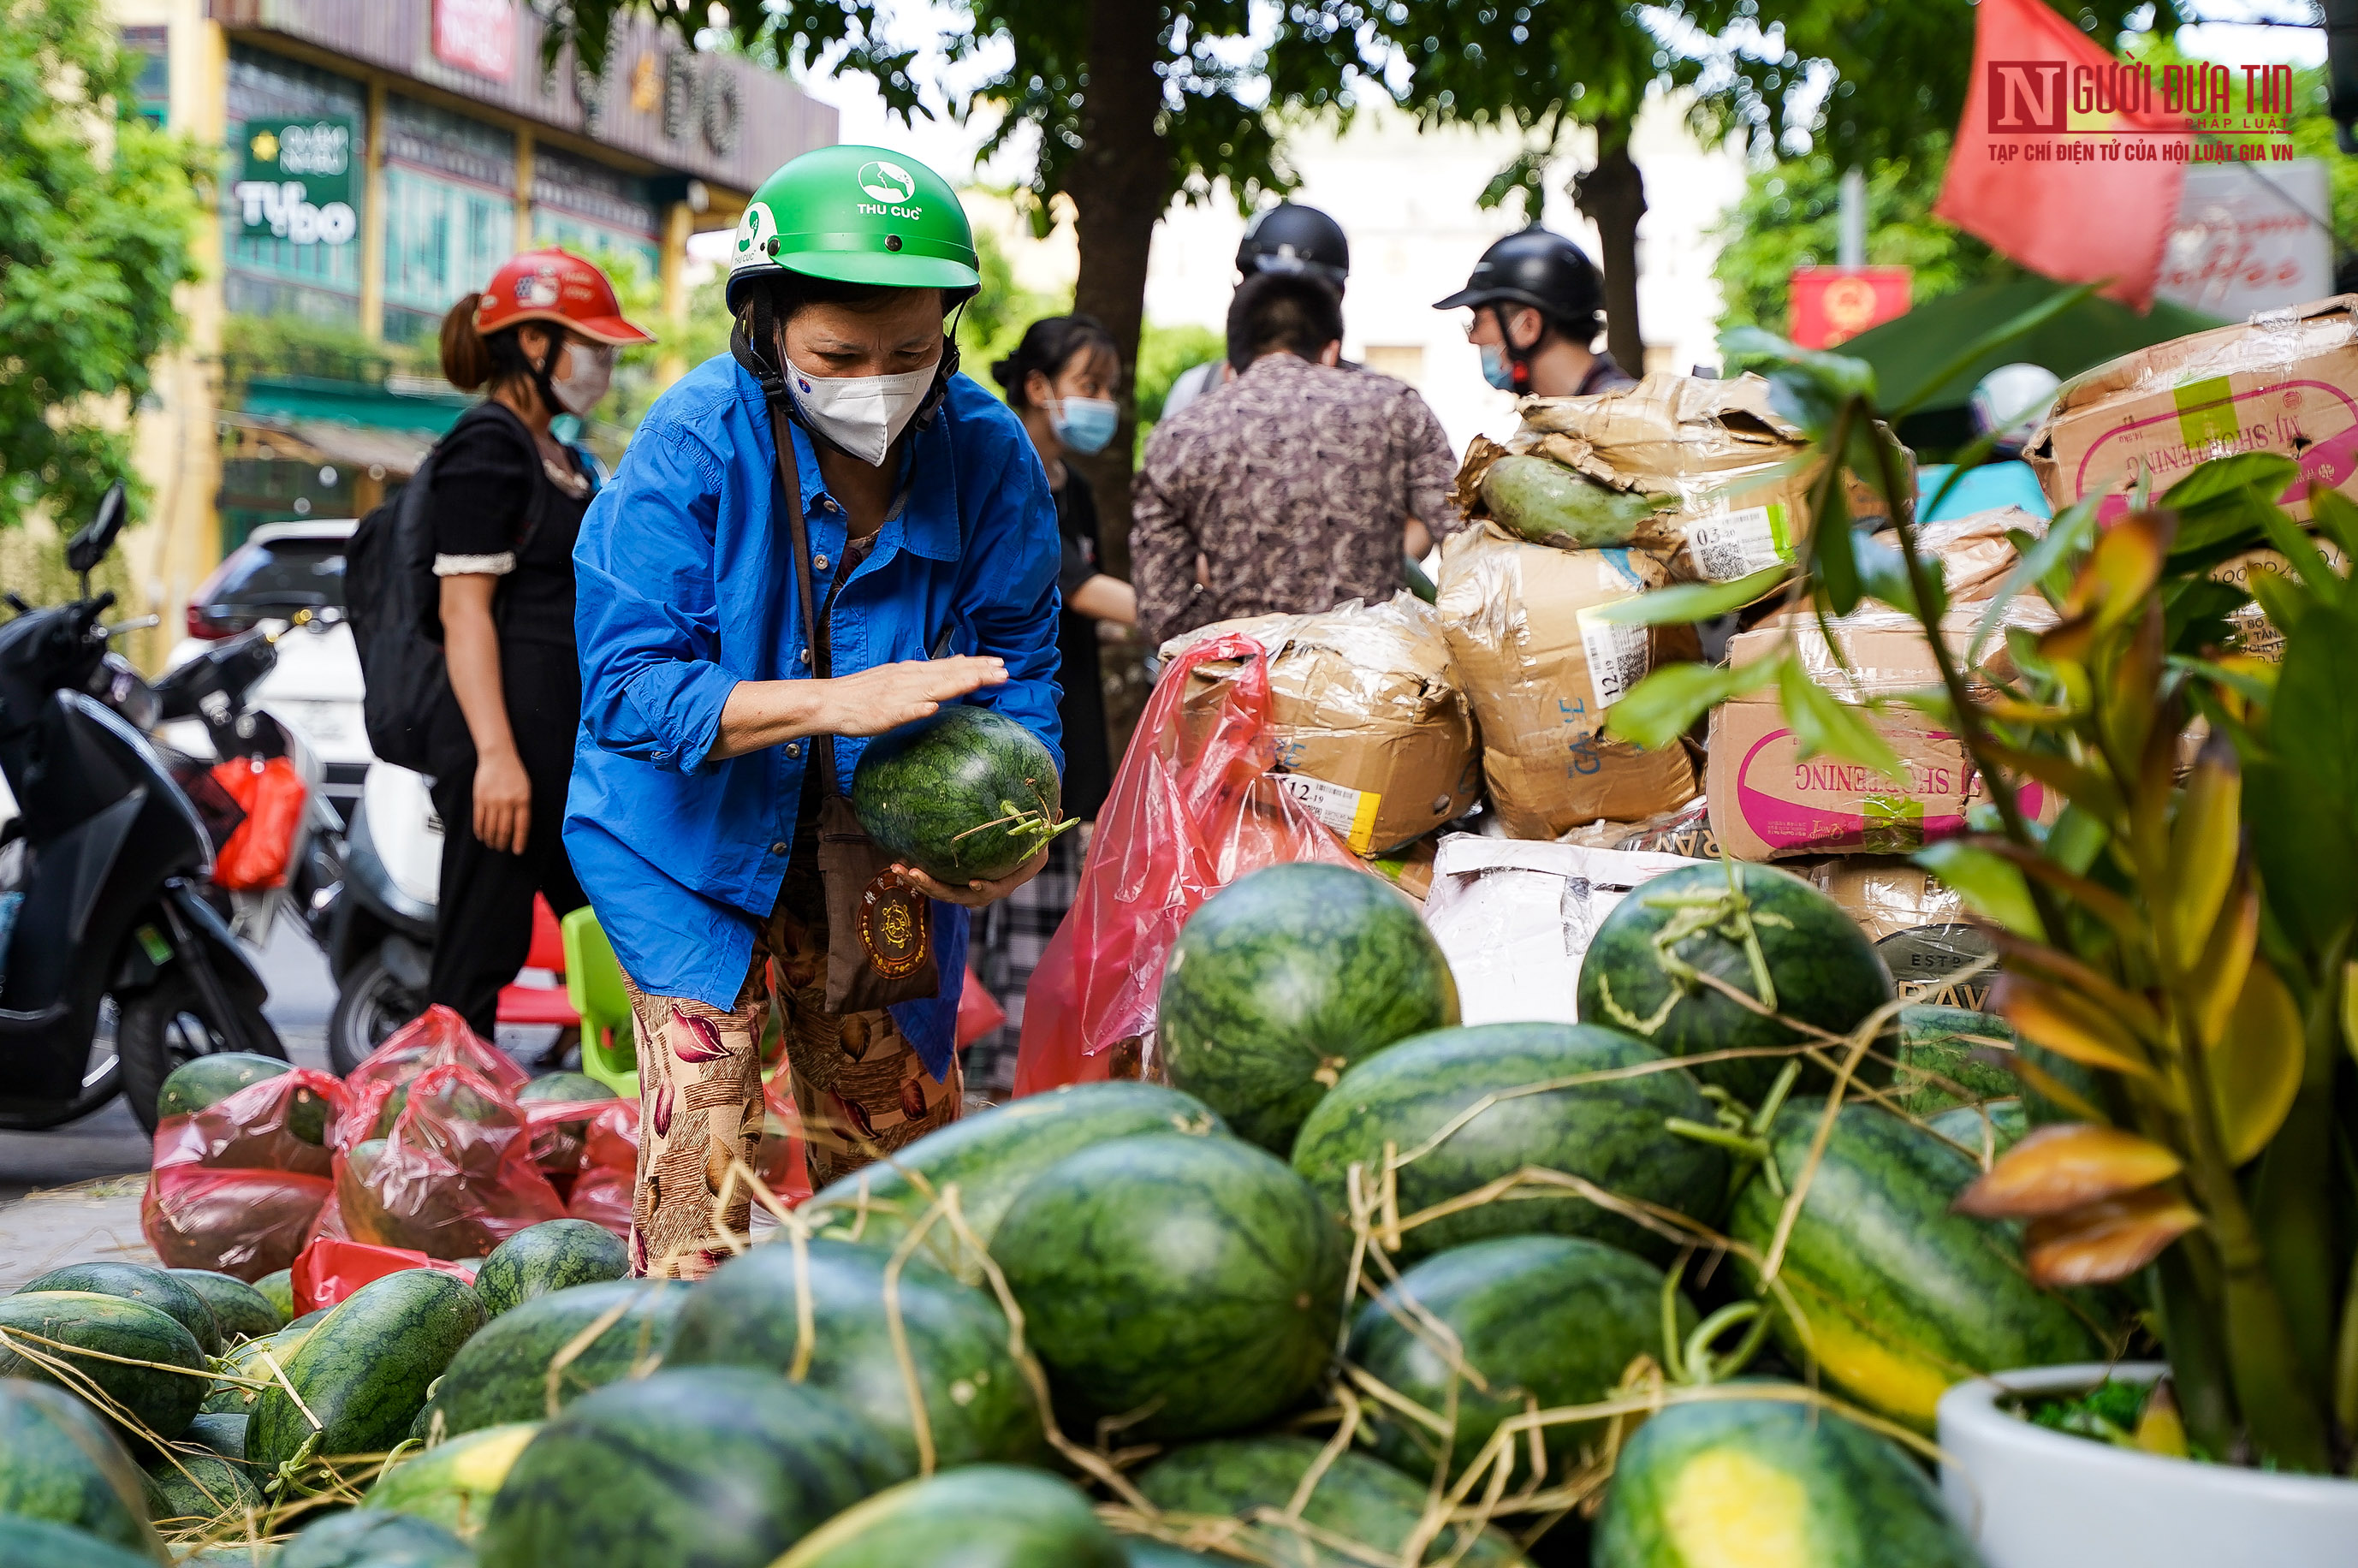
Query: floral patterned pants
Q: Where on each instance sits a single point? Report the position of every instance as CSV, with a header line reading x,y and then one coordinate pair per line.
x,y
858,1084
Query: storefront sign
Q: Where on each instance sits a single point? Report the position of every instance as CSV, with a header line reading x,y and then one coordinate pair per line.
x,y
298,180
2244,241
476,35
1832,304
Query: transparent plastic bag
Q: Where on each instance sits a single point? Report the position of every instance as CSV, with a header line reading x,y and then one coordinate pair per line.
x,y
238,1185
454,1175
1189,813
435,1038
610,1166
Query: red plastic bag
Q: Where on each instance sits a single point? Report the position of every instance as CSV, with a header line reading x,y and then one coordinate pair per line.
x,y
237,1185
560,1133
453,1178
610,1168
436,1038
275,798
978,1011
328,1271
1183,821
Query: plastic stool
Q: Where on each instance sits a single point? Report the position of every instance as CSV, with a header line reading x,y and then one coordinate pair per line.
x,y
593,981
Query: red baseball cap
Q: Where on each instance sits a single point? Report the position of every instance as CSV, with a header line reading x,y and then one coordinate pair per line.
x,y
556,286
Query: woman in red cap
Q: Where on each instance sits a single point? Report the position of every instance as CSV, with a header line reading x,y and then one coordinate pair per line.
x,y
507,503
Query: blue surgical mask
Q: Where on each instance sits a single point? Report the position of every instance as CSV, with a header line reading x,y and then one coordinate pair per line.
x,y
1085,424
1495,370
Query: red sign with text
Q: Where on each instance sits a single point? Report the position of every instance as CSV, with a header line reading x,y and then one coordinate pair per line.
x,y
1833,304
476,36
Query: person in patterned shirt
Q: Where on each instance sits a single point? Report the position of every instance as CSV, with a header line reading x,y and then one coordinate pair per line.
x,y
1295,487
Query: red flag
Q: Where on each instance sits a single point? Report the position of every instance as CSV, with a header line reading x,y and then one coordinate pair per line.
x,y
2064,160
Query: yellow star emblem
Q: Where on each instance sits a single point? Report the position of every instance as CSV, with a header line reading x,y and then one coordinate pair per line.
x,y
266,146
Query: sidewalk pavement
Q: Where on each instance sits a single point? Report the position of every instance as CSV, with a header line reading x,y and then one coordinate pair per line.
x,y
95,1221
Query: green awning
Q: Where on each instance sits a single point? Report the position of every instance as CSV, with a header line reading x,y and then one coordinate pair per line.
x,y
354,403
1908,349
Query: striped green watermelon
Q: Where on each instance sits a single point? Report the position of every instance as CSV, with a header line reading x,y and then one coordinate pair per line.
x,y
240,1311
965,795
38,1543
2072,1077
160,1401
548,1257
184,1489
1987,1131
59,1462
364,1539
1194,1283
1551,1318
989,1158
1285,978
703,1468
138,1282
1943,1059
363,1370
1771,1483
502,1374
246,1363
452,1483
207,1080
977,1405
224,1434
279,1290
1359,1499
1822,969
1608,1131
1901,1297
984,1516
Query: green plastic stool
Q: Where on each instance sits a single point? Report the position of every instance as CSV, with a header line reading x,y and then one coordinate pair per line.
x,y
593,983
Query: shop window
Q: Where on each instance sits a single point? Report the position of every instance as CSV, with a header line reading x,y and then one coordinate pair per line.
x,y
267,275
594,210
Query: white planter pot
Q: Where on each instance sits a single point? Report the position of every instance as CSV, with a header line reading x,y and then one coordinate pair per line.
x,y
2034,1498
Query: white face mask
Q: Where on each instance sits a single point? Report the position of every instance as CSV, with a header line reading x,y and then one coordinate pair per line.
x,y
864,414
587,371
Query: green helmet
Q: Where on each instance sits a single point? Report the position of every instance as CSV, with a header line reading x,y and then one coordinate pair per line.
x,y
856,214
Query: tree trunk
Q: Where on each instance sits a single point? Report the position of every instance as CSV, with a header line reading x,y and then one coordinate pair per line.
x,y
1119,182
1612,197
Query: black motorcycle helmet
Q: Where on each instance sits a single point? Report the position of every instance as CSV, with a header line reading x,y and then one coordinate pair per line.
x,y
1546,271
1289,237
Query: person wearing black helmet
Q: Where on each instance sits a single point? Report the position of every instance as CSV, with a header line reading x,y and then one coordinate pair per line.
x,y
1539,308
1288,237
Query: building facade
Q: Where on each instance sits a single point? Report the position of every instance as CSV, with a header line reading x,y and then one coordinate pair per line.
x,y
379,159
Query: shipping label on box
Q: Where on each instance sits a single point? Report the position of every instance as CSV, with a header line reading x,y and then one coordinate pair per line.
x,y
2286,381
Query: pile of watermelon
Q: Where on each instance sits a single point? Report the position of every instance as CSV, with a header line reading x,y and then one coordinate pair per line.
x,y
1359,1285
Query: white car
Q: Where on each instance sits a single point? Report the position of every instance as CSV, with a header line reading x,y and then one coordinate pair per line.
x,y
317,685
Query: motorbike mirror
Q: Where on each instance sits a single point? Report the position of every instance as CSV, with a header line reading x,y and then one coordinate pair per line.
x,y
87,548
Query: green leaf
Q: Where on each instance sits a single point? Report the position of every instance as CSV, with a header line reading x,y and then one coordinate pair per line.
x,y
2300,800
1992,887
2284,602
2266,472
1665,705
1997,338
1821,724
1882,575
1689,602
2074,529
1834,547
2335,515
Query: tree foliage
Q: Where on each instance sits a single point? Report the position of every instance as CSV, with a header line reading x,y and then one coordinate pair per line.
x,y
97,207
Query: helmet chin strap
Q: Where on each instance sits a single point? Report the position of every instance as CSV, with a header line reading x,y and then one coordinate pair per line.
x,y
1518,360
544,374
763,353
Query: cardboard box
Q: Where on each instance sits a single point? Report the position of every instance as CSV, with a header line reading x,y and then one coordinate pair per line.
x,y
2285,381
1515,918
1767,804
2252,632
1716,448
1541,672
1371,729
1918,924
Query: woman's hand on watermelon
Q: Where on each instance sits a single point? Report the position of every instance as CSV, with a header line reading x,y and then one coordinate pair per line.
x,y
974,895
760,714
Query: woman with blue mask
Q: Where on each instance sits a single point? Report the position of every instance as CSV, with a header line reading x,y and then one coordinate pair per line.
x,y
1060,380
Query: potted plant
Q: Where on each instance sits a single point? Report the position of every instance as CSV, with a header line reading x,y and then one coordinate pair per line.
x,y
2177,947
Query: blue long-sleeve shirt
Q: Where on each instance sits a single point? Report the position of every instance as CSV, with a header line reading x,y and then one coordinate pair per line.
x,y
686,586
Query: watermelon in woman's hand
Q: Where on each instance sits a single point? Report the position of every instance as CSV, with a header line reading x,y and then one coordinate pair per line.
x,y
1775,1483
965,795
1193,1285
1285,978
1755,929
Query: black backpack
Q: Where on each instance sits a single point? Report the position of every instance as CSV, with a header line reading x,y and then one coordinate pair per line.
x,y
393,601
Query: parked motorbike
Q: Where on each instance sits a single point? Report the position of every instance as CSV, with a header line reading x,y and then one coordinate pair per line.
x,y
380,942
118,967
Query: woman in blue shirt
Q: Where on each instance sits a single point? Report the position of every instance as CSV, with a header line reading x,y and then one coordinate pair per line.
x,y
933,554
